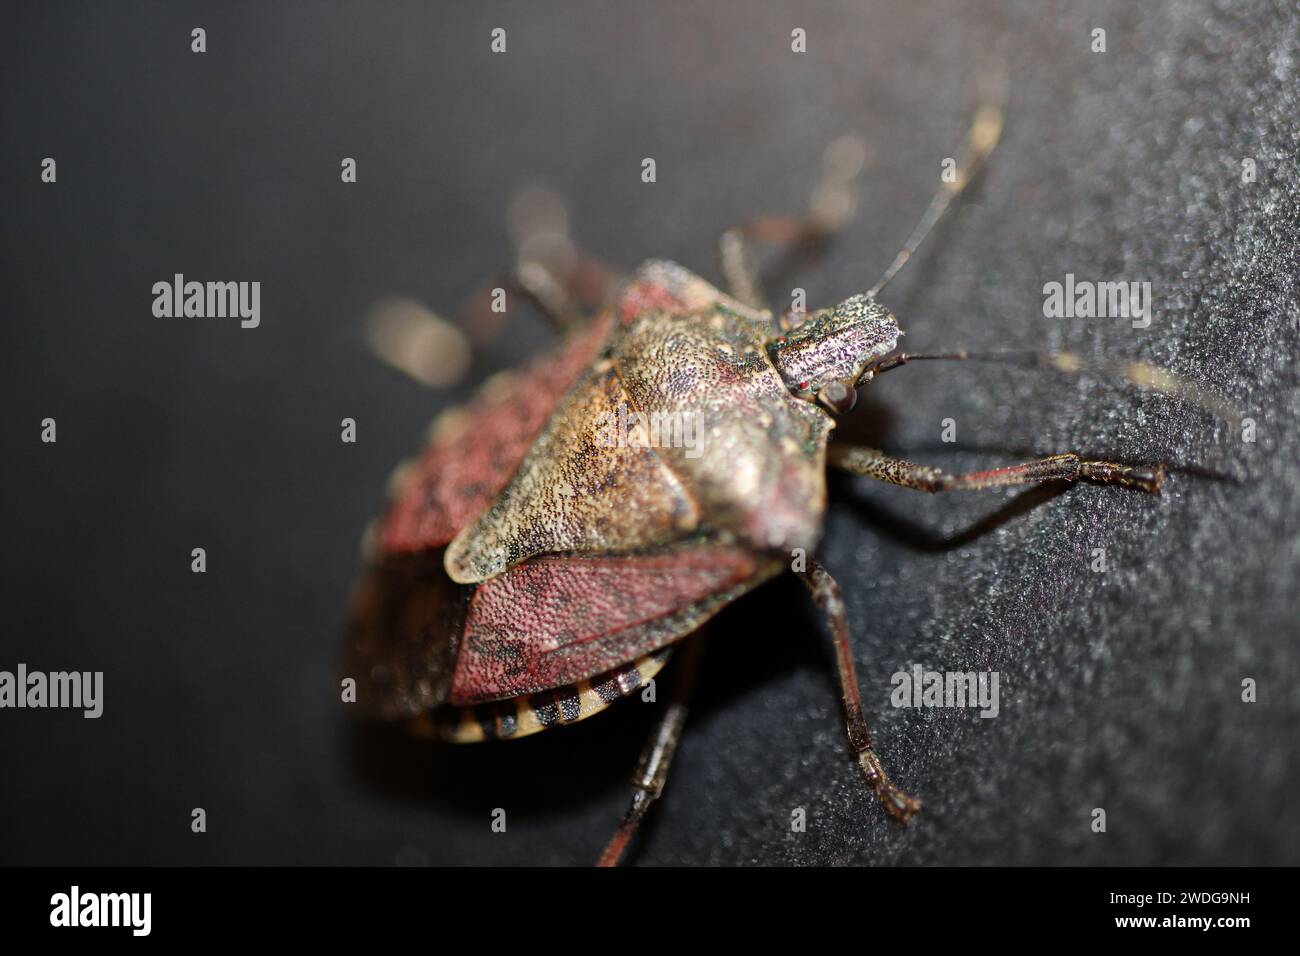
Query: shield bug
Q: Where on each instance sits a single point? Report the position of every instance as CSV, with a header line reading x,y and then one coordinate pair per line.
x,y
551,548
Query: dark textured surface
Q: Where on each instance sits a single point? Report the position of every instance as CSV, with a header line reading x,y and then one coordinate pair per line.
x,y
1118,690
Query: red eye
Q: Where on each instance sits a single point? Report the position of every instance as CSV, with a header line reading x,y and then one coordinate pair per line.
x,y
803,386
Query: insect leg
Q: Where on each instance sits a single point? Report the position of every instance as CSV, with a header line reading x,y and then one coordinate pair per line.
x,y
657,756
563,283
436,352
1066,467
550,270
564,295
834,199
826,593
408,337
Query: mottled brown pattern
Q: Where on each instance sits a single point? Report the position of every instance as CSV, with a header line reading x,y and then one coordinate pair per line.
x,y
574,557
573,494
475,450
760,473
756,475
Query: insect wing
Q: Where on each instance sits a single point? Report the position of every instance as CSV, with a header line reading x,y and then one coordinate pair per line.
x,y
556,620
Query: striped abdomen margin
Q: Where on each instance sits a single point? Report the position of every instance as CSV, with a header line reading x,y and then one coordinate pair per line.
x,y
531,713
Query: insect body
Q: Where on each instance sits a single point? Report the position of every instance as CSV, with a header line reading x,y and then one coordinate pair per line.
x,y
530,571
579,556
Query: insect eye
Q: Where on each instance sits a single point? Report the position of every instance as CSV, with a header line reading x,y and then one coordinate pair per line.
x,y
839,397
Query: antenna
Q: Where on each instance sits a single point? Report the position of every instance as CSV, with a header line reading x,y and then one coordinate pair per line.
x,y
985,131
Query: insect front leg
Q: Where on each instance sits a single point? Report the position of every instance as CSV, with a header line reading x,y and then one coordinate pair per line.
x,y
826,594
834,200
657,756
1064,467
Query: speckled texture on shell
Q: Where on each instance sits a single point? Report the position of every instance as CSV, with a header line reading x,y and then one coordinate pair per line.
x,y
834,345
474,450
682,350
760,473
571,493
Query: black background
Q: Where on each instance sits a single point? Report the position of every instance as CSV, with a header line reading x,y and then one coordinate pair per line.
x,y
1119,690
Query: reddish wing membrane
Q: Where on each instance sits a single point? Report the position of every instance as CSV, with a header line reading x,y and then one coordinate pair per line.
x,y
418,640
556,620
404,628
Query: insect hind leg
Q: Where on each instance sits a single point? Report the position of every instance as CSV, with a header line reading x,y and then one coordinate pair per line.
x,y
657,755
